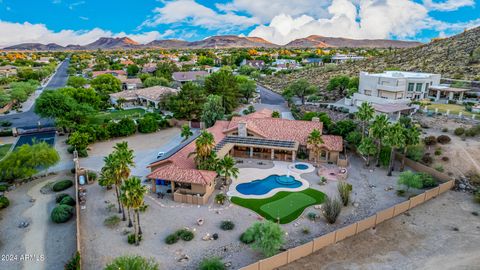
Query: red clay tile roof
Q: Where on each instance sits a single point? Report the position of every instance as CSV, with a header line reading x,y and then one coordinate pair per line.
x,y
172,172
333,143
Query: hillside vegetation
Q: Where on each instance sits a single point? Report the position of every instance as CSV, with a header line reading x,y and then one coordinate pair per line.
x,y
457,57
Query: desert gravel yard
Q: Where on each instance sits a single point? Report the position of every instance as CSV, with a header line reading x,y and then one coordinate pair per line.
x,y
372,191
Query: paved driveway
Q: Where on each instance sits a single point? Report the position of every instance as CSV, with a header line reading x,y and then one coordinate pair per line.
x,y
270,97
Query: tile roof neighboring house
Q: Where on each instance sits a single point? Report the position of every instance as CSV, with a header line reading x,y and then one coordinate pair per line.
x,y
189,76
154,93
149,68
115,73
183,175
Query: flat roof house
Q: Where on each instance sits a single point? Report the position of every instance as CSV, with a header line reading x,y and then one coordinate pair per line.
x,y
257,136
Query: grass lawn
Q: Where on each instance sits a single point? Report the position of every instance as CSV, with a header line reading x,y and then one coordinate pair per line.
x,y
286,206
454,108
117,115
4,150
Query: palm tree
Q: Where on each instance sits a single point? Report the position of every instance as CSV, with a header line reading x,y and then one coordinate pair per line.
x,y
377,131
412,137
365,114
136,192
315,141
109,173
126,198
367,148
394,138
204,146
124,160
226,167
186,132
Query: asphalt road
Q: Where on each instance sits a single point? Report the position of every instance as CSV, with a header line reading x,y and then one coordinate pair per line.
x,y
269,97
30,118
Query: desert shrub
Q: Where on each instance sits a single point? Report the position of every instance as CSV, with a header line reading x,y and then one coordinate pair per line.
x,y
62,213
400,192
3,188
471,132
445,158
473,177
247,237
171,239
62,185
73,263
427,180
443,139
312,216
430,140
439,168
227,225
344,189
60,196
266,237
415,152
132,263
444,129
305,230
220,198
427,159
438,151
410,179
331,209
92,176
459,131
477,196
185,235
214,263
131,238
68,200
112,221
4,202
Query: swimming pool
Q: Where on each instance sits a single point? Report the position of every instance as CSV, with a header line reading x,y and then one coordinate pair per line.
x,y
264,186
301,166
48,137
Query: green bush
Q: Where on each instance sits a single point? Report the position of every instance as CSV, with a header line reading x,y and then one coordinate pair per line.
x,y
62,213
459,131
427,180
430,140
443,139
471,132
4,202
227,225
60,197
3,188
385,156
132,263
92,176
214,263
220,198
147,124
332,209
268,237
185,235
344,189
438,151
73,263
171,239
247,237
131,238
477,196
415,152
112,221
68,200
312,216
439,168
62,185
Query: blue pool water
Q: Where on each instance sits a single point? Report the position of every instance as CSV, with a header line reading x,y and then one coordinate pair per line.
x,y
48,137
301,166
263,186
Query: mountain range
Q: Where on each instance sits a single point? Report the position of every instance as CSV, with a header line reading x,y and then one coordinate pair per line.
x,y
226,41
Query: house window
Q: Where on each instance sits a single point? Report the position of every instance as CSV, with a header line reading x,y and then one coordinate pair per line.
x,y
410,87
419,87
426,87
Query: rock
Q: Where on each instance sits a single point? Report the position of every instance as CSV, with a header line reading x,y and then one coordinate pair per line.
x,y
228,264
356,204
200,221
215,236
183,258
23,224
32,200
372,186
317,207
207,237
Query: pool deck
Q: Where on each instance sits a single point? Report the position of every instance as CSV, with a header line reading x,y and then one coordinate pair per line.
x,y
280,168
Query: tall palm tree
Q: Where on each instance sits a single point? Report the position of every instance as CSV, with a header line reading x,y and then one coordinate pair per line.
x,y
395,139
186,132
124,160
226,168
377,131
126,198
204,145
137,193
315,141
365,114
412,137
109,173
367,149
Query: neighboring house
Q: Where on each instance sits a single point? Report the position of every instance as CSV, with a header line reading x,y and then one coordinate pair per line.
x,y
312,61
342,58
146,97
8,71
44,60
131,83
127,62
189,76
258,64
149,68
284,64
256,135
115,73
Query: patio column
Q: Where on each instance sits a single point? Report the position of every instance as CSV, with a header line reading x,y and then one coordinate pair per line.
x,y
450,95
438,96
154,186
294,154
251,152
461,97
399,115
172,184
273,154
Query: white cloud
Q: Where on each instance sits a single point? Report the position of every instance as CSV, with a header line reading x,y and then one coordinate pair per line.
x,y
361,19
448,5
15,33
192,13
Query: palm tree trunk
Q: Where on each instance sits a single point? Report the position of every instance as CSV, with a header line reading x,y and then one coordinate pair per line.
x,y
129,218
368,161
402,167
135,227
138,223
118,199
363,130
378,154
392,162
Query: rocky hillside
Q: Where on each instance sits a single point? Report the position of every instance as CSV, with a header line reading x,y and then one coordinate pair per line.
x,y
451,57
329,42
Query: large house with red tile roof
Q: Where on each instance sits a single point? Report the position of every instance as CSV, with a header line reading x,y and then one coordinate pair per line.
x,y
257,135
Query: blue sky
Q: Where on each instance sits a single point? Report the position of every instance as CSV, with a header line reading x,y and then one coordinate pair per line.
x,y
279,21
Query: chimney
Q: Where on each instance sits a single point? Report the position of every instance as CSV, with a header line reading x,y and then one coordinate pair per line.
x,y
315,119
242,129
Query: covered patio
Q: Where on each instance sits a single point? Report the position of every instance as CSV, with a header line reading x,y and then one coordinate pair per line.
x,y
446,93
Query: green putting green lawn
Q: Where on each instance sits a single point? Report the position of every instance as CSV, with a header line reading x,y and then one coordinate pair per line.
x,y
284,206
117,115
4,150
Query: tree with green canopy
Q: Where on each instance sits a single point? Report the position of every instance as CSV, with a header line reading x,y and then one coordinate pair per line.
x,y
365,114
377,131
367,149
300,88
186,132
395,139
76,81
227,169
224,84
246,87
212,110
